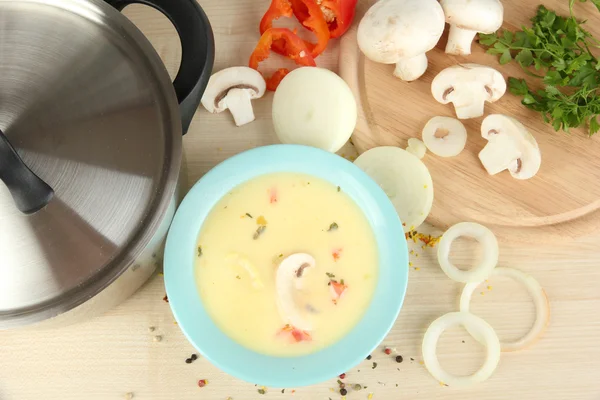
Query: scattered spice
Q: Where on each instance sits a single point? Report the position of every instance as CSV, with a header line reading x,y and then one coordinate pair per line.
x,y
261,221
282,390
280,255
462,341
399,359
339,188
330,275
248,215
369,357
412,359
157,338
190,360
238,277
333,227
342,376
259,232
387,351
489,288
262,390
199,251
194,357
356,386
343,392
202,382
342,282
151,329
374,365
166,299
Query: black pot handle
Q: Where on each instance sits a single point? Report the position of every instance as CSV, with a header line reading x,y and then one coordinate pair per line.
x,y
29,192
197,50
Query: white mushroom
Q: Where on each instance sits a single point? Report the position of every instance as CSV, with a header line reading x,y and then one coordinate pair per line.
x,y
510,146
401,32
288,280
233,89
468,87
416,147
466,18
445,136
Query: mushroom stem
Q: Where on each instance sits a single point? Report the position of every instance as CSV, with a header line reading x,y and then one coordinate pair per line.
x,y
459,41
470,104
240,105
410,69
499,154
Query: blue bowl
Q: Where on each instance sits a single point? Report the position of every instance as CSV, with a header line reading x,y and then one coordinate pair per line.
x,y
246,364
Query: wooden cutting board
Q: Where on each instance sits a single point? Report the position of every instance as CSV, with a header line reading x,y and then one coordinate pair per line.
x,y
561,202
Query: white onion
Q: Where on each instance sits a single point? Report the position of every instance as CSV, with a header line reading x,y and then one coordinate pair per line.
x,y
474,324
287,282
405,180
542,307
314,107
416,147
452,143
490,252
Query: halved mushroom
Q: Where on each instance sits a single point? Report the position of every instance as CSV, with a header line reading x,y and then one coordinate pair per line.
x,y
468,87
401,32
287,282
233,89
445,136
466,18
510,146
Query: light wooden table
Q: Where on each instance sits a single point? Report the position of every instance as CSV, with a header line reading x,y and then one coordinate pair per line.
x,y
115,354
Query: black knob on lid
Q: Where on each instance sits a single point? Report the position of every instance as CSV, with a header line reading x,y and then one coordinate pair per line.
x,y
29,192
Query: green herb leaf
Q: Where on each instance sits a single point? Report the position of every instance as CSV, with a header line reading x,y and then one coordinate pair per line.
x,y
505,57
558,47
334,226
330,275
199,251
248,215
259,231
524,58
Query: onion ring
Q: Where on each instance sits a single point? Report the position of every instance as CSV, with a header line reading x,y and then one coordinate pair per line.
x,y
490,252
474,324
542,307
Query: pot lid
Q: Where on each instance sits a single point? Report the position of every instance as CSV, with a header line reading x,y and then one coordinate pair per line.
x,y
89,107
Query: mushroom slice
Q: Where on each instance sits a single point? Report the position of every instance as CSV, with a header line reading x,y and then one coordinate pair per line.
x,y
510,146
234,89
416,147
445,136
468,87
466,18
401,32
288,280
404,179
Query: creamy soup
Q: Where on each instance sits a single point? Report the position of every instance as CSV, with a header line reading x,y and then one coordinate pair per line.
x,y
286,264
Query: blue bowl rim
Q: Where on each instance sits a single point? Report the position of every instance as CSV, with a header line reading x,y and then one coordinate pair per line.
x,y
328,362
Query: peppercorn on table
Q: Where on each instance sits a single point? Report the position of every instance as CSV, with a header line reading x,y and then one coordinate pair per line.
x,y
136,351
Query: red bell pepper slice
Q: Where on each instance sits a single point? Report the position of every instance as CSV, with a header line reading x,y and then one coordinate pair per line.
x,y
339,15
292,45
313,20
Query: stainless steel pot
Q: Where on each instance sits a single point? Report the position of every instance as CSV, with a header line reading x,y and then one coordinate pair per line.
x,y
90,151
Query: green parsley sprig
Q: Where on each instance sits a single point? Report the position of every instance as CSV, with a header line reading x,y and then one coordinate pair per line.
x,y
558,49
